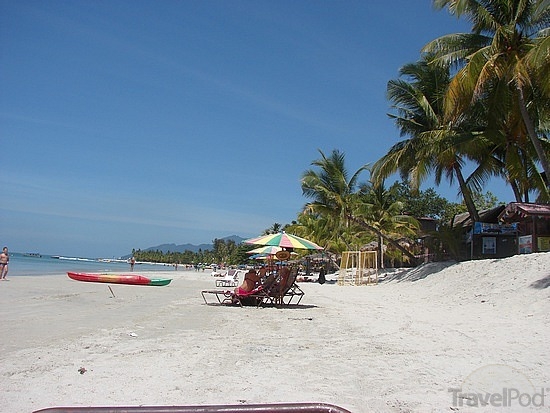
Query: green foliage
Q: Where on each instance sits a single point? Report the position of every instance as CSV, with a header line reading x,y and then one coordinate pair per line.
x,y
485,200
224,252
420,204
274,229
447,243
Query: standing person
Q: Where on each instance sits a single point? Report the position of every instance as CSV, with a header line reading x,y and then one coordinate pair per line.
x,y
322,279
4,260
132,263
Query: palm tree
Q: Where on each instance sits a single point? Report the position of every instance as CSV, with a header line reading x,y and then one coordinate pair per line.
x,y
432,146
339,204
332,190
274,229
320,229
505,59
512,157
383,211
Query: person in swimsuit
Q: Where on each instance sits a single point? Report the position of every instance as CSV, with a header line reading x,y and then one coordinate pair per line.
x,y
249,283
4,260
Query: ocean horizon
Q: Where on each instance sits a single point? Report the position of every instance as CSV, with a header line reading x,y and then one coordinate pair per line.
x,y
22,264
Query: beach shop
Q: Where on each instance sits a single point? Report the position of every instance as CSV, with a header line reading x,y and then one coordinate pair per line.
x,y
493,240
486,238
533,225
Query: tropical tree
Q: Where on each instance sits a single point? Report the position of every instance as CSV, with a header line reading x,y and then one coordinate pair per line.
x,y
433,146
384,213
504,63
274,229
419,203
321,229
340,206
332,190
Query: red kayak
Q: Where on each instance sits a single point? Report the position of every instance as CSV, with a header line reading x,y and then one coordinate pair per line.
x,y
133,279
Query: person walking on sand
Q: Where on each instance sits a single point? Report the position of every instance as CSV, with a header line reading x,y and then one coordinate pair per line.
x,y
4,260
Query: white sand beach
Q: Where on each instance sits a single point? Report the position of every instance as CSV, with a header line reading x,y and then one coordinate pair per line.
x,y
400,346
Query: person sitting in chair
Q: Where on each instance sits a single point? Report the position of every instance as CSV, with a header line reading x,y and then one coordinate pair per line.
x,y
249,283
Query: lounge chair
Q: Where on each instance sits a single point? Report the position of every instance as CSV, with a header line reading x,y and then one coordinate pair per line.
x,y
230,279
275,289
229,297
283,290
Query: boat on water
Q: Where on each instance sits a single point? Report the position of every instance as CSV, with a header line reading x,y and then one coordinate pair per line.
x,y
32,254
132,279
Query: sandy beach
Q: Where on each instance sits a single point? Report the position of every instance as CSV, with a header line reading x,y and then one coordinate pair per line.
x,y
422,340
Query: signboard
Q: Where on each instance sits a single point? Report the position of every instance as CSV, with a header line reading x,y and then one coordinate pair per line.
x,y
543,243
525,244
488,228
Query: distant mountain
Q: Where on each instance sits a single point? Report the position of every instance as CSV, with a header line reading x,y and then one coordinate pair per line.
x,y
190,247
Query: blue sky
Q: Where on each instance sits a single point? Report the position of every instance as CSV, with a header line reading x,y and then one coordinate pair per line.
x,y
128,124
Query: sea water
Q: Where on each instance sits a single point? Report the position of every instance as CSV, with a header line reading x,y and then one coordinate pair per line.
x,y
25,264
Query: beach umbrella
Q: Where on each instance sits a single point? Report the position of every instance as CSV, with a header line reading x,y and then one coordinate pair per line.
x,y
284,240
261,257
264,256
266,249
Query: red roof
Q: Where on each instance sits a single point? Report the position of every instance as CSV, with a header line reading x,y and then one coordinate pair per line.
x,y
519,210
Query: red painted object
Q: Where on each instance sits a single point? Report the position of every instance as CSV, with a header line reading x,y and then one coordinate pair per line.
x,y
132,279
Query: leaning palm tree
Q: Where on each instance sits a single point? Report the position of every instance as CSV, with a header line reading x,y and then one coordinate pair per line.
x,y
321,230
383,211
331,189
506,57
432,146
337,200
512,157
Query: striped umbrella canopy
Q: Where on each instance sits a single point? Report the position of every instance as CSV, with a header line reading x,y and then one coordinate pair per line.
x,y
266,249
261,257
284,240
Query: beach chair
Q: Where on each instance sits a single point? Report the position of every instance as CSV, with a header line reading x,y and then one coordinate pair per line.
x,y
230,279
229,297
255,297
283,290
276,289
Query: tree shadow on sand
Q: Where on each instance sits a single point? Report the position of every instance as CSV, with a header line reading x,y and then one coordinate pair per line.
x,y
542,283
417,273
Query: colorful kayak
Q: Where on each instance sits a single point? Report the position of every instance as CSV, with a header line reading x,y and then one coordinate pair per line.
x,y
133,279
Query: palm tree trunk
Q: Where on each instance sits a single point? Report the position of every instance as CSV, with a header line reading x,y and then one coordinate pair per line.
x,y
533,135
466,194
382,236
380,253
515,189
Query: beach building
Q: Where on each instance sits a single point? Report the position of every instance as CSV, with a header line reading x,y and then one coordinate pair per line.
x,y
506,230
533,225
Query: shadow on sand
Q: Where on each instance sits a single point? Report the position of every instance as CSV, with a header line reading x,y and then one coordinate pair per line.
x,y
542,283
417,273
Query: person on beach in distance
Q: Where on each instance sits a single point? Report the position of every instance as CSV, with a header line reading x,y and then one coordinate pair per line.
x,y
132,263
4,260
322,279
249,283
